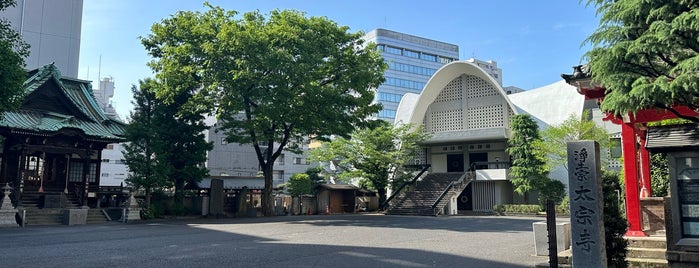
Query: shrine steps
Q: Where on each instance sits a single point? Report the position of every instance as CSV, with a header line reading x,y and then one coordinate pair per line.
x,y
647,252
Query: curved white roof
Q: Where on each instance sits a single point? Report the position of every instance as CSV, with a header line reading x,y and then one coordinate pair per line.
x,y
551,104
440,79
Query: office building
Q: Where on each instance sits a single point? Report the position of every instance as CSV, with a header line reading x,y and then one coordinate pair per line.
x,y
412,61
52,29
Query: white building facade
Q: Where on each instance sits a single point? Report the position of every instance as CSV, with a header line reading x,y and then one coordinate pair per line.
x,y
468,114
52,29
113,170
240,160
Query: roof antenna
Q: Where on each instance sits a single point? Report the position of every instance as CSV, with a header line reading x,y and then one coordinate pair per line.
x,y
99,72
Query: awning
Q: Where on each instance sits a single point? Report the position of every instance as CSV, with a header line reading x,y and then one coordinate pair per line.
x,y
673,138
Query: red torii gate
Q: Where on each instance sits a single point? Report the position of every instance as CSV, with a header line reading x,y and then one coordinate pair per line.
x,y
633,144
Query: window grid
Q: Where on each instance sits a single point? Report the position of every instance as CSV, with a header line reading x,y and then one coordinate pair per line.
x,y
451,92
447,120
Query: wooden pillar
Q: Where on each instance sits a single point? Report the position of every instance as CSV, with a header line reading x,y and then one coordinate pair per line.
x,y
631,181
86,172
646,189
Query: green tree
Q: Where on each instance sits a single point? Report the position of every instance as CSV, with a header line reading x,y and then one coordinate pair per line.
x,y
13,50
646,54
166,141
300,184
272,81
615,224
528,171
305,183
554,139
376,154
142,135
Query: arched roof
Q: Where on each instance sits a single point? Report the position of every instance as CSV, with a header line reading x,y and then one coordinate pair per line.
x,y
441,78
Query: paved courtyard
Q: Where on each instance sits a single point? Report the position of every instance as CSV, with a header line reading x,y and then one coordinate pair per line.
x,y
291,241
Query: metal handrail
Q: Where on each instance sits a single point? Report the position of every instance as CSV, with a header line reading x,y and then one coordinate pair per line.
x,y
397,191
497,165
444,193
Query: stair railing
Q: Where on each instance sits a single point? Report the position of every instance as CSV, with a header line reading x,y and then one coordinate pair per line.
x,y
397,191
463,180
441,196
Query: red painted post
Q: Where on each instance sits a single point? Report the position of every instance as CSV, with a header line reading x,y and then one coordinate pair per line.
x,y
633,204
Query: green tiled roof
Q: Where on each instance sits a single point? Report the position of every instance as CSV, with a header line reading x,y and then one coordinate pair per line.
x,y
91,120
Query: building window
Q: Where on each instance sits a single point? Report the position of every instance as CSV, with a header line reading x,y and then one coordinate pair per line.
x,y
280,160
411,54
615,148
444,60
408,68
223,141
105,174
76,171
389,97
393,50
387,114
428,57
105,160
391,81
110,146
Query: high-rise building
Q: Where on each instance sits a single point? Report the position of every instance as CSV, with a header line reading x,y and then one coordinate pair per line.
x,y
113,170
490,67
412,61
52,29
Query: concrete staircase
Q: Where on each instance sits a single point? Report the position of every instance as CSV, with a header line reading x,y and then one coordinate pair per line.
x,y
426,192
642,252
35,215
647,252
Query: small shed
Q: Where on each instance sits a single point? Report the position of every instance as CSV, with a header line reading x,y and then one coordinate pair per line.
x,y
337,198
681,207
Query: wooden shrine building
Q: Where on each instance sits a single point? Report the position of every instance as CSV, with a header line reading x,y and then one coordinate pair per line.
x,y
52,144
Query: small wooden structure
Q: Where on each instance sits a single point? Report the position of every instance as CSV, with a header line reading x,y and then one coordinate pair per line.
x,y
337,198
53,142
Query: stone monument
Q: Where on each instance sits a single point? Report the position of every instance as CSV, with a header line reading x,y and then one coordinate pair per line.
x,y
133,211
216,200
7,212
586,205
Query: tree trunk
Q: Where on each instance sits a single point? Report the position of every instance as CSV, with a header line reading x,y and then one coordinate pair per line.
x,y
382,195
179,191
148,196
267,195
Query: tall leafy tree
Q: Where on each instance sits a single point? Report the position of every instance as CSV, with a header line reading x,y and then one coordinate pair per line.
x,y
273,80
166,141
528,171
646,54
142,134
554,139
13,50
377,154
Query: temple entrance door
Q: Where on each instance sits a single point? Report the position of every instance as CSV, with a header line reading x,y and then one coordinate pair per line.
x,y
477,157
455,163
465,200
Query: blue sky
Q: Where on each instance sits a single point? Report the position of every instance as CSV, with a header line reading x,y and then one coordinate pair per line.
x,y
532,41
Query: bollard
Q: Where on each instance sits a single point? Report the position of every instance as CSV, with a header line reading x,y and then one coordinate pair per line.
x,y
551,228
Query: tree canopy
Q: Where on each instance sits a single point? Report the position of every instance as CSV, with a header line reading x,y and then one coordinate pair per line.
x,y
272,81
13,50
140,153
377,154
646,54
528,171
554,139
166,142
